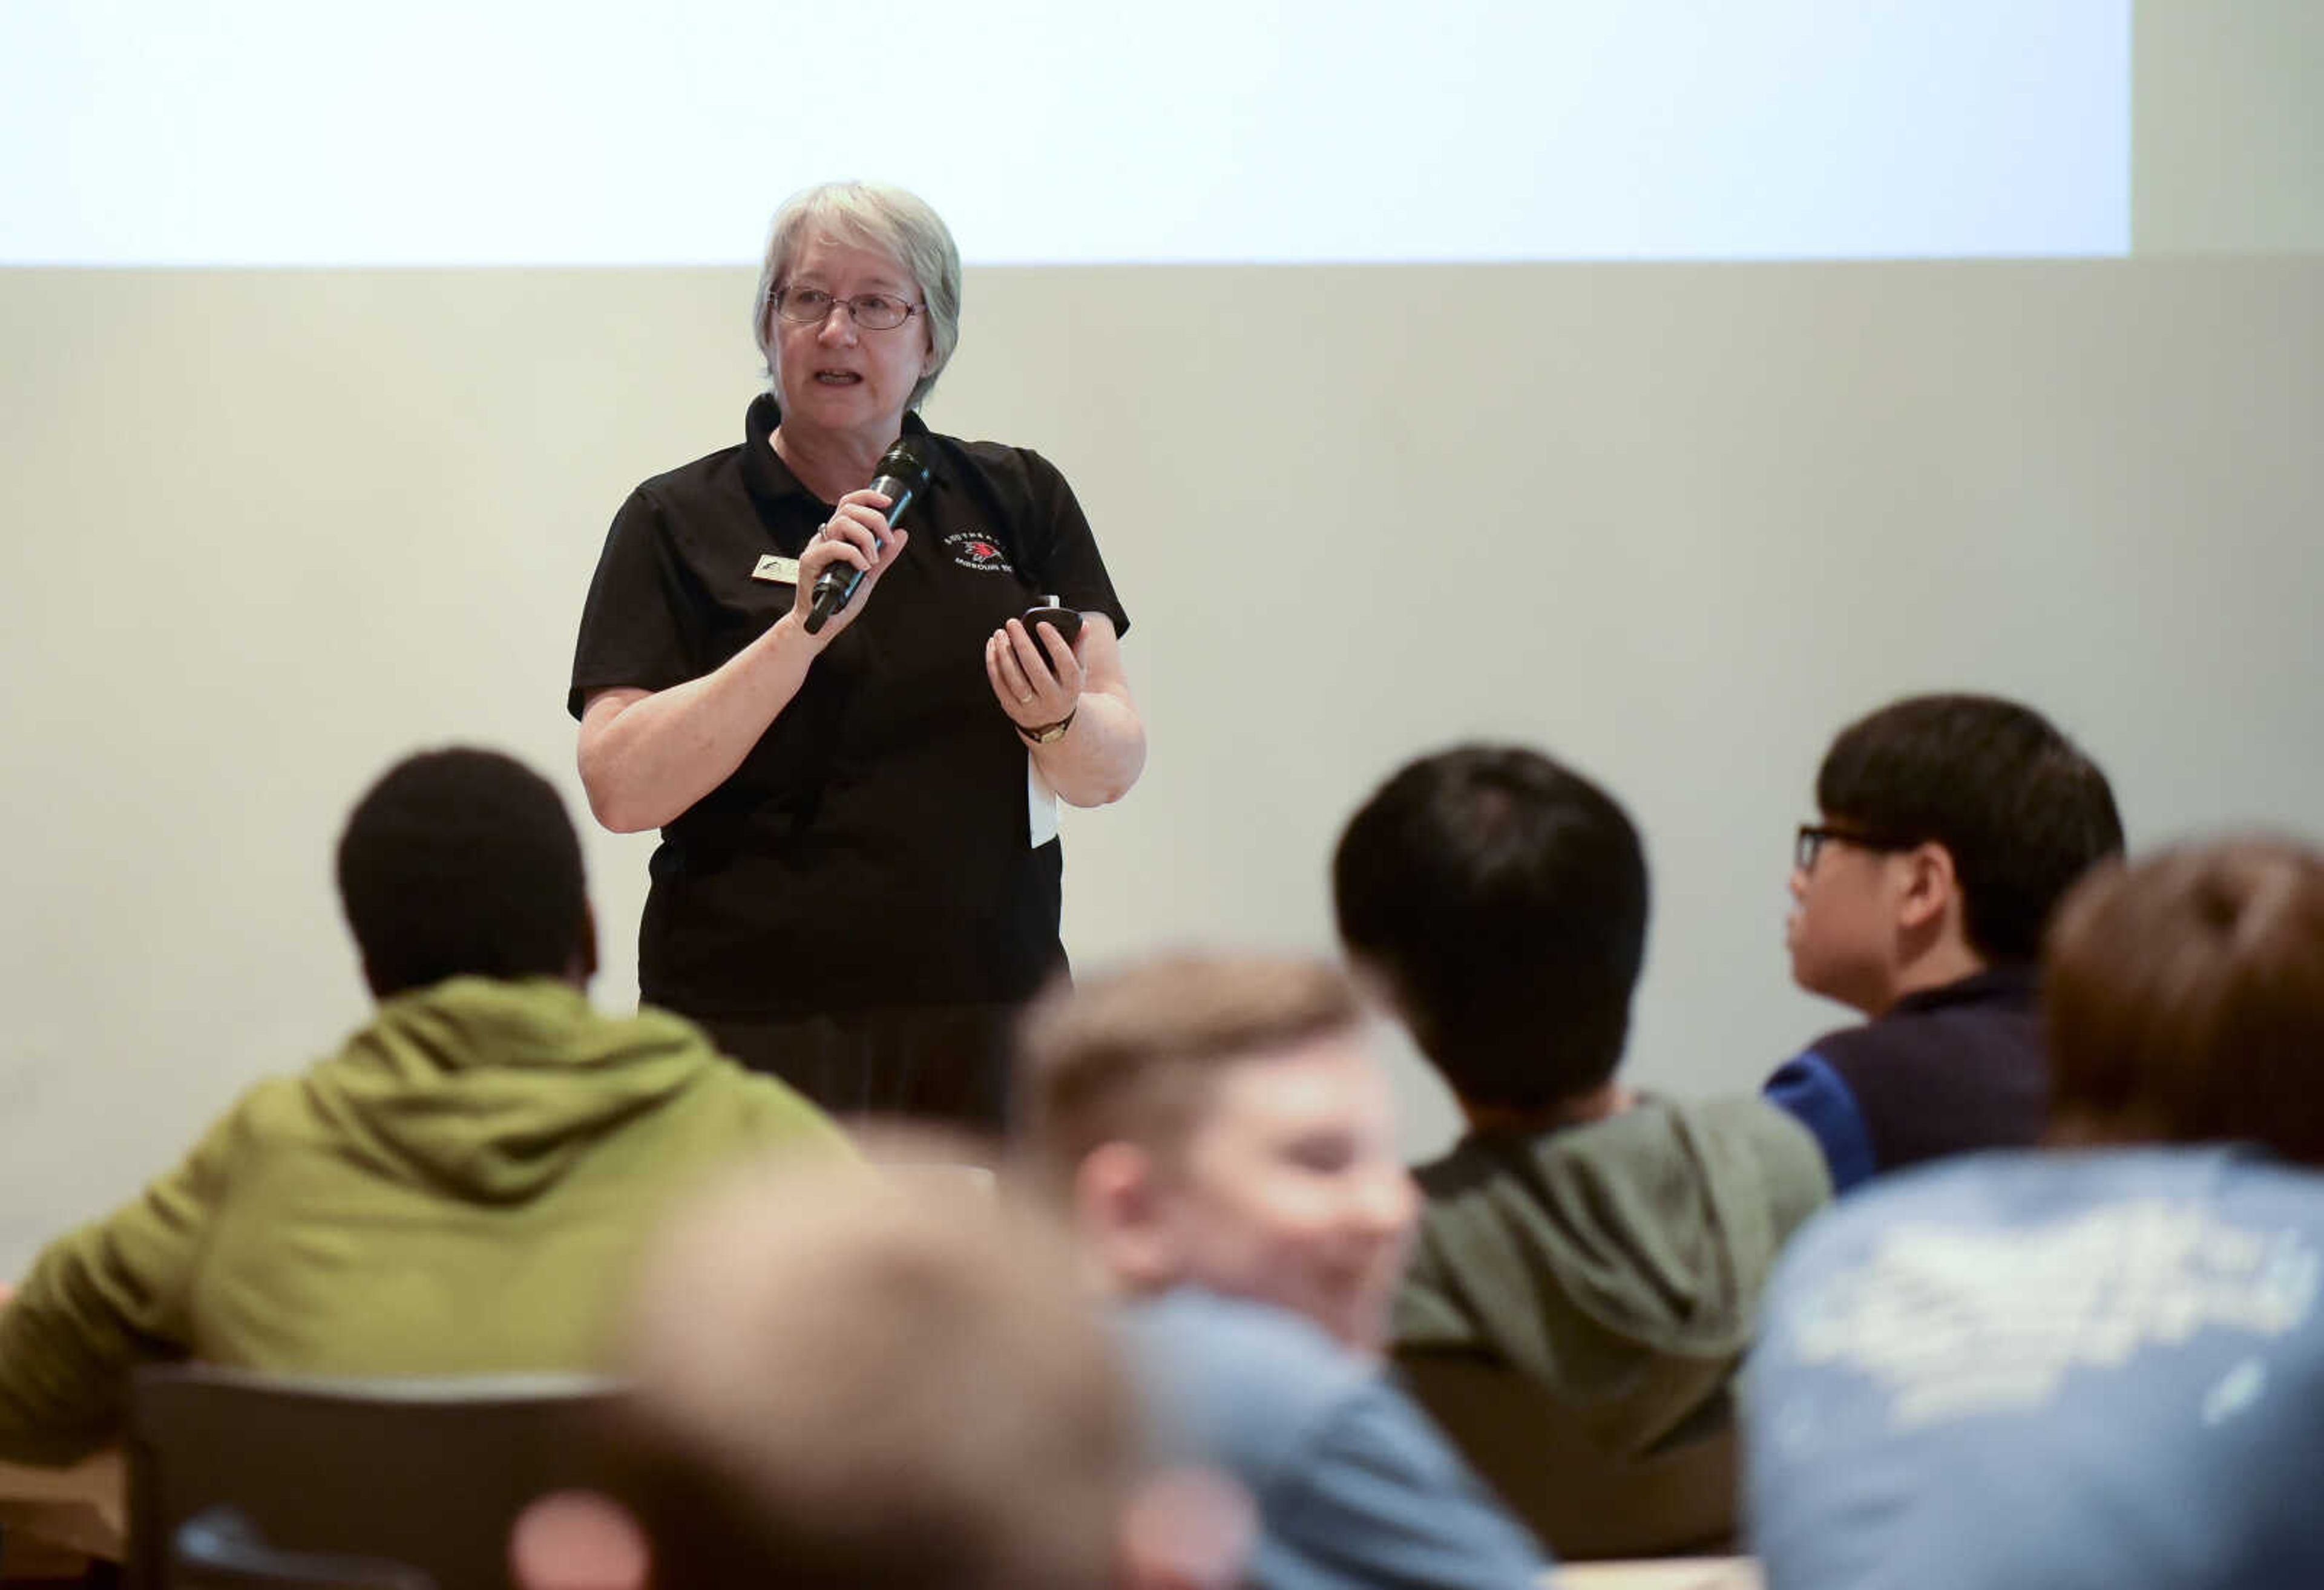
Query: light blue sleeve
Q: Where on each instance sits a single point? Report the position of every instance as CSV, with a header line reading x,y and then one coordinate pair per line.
x,y
1378,1499
1813,1092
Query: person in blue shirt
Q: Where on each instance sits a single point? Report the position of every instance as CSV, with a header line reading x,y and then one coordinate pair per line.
x,y
1951,826
2097,1365
1224,1139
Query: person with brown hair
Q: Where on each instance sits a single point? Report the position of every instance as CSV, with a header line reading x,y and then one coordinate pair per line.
x,y
2185,1003
1224,1140
2097,1364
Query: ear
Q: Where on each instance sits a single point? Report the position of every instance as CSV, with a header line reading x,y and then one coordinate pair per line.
x,y
578,1540
1123,1211
1187,1529
1932,892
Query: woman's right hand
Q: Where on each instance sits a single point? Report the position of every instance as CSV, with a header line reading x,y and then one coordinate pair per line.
x,y
857,535
647,756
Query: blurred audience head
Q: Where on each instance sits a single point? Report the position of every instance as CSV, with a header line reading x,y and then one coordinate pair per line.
x,y
2184,999
1221,1121
1499,899
462,862
840,1380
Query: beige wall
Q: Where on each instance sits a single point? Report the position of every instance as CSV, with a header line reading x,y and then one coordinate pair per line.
x,y
2227,140
268,530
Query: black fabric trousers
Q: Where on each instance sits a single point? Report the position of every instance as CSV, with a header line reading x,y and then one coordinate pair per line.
x,y
945,1063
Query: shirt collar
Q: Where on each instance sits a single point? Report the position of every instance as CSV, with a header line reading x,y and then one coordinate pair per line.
x,y
770,481
2012,985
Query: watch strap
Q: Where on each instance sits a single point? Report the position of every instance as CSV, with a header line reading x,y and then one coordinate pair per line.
x,y
1049,733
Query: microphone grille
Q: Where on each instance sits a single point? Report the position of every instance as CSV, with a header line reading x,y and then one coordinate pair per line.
x,y
900,463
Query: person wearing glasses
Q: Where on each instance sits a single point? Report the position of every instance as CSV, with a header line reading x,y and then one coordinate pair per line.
x,y
858,879
2097,1365
1952,827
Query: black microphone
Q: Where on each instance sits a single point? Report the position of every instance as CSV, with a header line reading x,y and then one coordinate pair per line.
x,y
902,475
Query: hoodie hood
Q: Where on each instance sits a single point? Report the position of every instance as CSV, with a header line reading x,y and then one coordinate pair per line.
x,y
488,1091
1584,1257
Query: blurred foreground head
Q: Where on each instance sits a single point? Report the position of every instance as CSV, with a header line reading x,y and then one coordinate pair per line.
x,y
2184,999
844,1378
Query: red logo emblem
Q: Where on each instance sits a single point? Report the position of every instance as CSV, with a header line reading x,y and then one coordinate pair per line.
x,y
973,551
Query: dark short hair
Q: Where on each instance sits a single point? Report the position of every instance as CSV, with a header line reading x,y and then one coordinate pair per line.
x,y
461,861
2023,812
1502,898
2184,999
1130,1055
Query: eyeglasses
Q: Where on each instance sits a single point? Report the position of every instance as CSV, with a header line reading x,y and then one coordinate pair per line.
x,y
1811,839
873,311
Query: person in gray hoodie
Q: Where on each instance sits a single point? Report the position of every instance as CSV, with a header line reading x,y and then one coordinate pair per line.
x,y
1590,1259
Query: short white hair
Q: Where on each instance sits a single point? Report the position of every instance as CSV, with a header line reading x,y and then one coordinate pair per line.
x,y
868,214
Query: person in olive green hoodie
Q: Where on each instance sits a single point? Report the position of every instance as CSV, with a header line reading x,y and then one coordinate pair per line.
x,y
1590,1259
459,1189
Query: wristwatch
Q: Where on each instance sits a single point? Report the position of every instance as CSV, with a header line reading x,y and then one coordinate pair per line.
x,y
1049,733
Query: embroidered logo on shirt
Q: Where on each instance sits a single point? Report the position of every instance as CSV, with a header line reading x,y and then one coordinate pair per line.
x,y
974,551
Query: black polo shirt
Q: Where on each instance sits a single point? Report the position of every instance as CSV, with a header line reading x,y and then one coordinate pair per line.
x,y
873,849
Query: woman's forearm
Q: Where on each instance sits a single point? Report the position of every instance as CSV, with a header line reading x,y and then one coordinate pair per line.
x,y
647,756
1100,756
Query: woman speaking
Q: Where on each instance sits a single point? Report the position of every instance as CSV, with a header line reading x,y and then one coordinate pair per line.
x,y
858,879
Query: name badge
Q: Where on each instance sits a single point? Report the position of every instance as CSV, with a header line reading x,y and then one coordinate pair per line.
x,y
777,570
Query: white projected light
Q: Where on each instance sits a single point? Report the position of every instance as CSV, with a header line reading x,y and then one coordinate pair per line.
x,y
287,131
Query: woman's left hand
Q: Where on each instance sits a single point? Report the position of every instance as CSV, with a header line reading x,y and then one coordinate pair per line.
x,y
1037,680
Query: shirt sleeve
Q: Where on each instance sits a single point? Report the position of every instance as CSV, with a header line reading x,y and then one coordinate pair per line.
x,y
641,624
1067,561
100,1301
1380,1501
1814,1094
